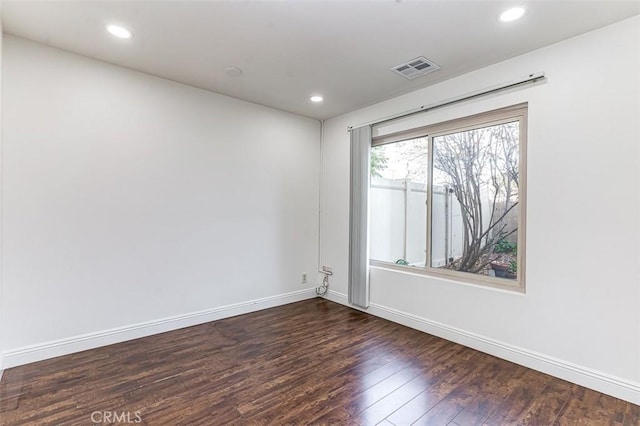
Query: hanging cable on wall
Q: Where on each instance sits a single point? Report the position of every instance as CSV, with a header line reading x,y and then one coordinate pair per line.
x,y
322,289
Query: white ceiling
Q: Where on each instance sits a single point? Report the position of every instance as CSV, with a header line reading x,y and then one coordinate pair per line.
x,y
290,50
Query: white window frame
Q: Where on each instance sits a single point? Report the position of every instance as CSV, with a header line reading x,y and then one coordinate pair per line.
x,y
495,117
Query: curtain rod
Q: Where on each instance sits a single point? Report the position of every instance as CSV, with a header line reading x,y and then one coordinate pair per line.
x,y
531,78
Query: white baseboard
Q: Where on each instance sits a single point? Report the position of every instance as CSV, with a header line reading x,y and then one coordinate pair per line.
x,y
583,376
39,352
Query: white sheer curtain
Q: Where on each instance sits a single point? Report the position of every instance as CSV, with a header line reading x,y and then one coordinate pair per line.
x,y
358,217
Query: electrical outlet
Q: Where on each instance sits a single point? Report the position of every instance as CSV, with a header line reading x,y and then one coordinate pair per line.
x,y
304,278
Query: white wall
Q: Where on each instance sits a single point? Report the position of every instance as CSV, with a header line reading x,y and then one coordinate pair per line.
x,y
129,199
1,314
579,318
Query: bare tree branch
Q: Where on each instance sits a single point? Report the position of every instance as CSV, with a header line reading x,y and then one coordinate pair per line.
x,y
481,167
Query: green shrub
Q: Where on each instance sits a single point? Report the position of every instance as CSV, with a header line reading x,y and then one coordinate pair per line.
x,y
504,246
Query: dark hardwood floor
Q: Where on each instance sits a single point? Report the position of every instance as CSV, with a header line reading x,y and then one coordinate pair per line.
x,y
312,362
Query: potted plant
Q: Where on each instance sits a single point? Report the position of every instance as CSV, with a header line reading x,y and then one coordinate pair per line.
x,y
499,269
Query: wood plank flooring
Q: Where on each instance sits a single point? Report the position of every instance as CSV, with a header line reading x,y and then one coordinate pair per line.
x,y
312,362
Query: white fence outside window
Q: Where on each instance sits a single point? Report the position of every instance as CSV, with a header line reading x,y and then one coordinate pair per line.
x,y
399,216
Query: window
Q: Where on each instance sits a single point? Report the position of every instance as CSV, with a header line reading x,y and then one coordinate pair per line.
x,y
448,199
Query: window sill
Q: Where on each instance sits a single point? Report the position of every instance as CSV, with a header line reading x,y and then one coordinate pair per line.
x,y
482,281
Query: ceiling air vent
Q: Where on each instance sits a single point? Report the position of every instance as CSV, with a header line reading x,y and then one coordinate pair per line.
x,y
415,68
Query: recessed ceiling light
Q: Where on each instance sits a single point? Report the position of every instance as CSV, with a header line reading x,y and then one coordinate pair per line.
x,y
118,31
316,99
512,14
